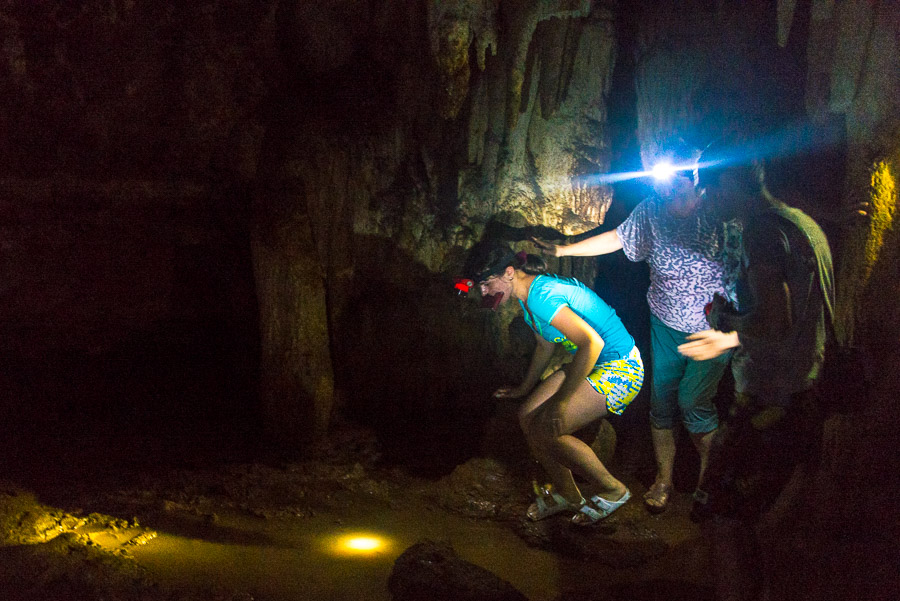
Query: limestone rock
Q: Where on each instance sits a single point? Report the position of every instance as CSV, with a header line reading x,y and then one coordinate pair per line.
x,y
430,571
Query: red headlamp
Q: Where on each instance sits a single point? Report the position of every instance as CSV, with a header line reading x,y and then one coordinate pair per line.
x,y
463,286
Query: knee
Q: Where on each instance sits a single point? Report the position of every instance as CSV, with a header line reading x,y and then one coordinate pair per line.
x,y
662,414
703,440
662,422
700,418
526,419
541,432
524,422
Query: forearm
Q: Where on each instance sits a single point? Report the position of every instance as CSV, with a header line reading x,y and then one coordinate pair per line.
x,y
543,351
601,244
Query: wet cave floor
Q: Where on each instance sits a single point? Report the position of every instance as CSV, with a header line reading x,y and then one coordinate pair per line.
x,y
137,516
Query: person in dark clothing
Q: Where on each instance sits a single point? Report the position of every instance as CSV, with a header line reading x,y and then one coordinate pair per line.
x,y
785,292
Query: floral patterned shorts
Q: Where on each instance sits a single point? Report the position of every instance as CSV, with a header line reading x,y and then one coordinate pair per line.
x,y
619,380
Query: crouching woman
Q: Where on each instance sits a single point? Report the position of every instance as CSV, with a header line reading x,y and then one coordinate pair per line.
x,y
603,377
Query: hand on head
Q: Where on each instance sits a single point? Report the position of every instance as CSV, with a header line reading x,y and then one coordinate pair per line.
x,y
546,248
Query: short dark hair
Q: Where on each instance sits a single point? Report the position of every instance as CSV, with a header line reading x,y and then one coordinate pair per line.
x,y
679,150
492,257
726,156
681,154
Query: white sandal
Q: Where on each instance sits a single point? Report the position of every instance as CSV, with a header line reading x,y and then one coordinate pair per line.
x,y
541,508
601,509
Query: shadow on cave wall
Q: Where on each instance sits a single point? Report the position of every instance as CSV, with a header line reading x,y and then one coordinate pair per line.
x,y
417,362
180,378
188,367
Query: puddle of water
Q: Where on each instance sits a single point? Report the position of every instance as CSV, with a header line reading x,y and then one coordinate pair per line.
x,y
306,559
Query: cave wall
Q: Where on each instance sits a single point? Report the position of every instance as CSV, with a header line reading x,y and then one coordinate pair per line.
x,y
481,112
704,70
297,182
275,178
854,76
126,150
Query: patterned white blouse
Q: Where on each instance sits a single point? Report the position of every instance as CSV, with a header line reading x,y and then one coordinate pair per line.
x,y
687,257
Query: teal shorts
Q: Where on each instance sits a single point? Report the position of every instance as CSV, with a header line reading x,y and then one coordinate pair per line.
x,y
619,380
682,385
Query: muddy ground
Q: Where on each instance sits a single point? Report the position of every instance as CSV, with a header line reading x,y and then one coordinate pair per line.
x,y
76,507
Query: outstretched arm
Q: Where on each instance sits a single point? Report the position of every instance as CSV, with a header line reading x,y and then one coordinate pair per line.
x,y
600,244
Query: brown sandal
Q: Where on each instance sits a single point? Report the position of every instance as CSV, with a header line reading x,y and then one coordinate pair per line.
x,y
656,499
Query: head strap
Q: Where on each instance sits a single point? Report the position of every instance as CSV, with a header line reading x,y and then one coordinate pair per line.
x,y
498,266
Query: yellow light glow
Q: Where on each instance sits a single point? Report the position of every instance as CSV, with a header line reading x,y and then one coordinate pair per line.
x,y
363,543
359,543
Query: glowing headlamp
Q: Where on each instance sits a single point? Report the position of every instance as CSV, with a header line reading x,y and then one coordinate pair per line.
x,y
663,171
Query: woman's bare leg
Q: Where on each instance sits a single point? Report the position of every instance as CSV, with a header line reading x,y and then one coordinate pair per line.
x,y
664,450
548,428
703,442
560,476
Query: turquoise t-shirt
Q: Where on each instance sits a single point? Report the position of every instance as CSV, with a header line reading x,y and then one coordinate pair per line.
x,y
550,293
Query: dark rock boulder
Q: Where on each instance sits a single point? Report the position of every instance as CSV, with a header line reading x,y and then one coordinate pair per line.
x,y
430,571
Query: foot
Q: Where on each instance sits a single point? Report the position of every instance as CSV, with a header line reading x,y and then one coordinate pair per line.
x,y
598,508
656,499
545,506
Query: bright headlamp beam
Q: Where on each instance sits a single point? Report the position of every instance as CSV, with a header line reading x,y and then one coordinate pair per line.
x,y
792,140
656,172
612,178
663,171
